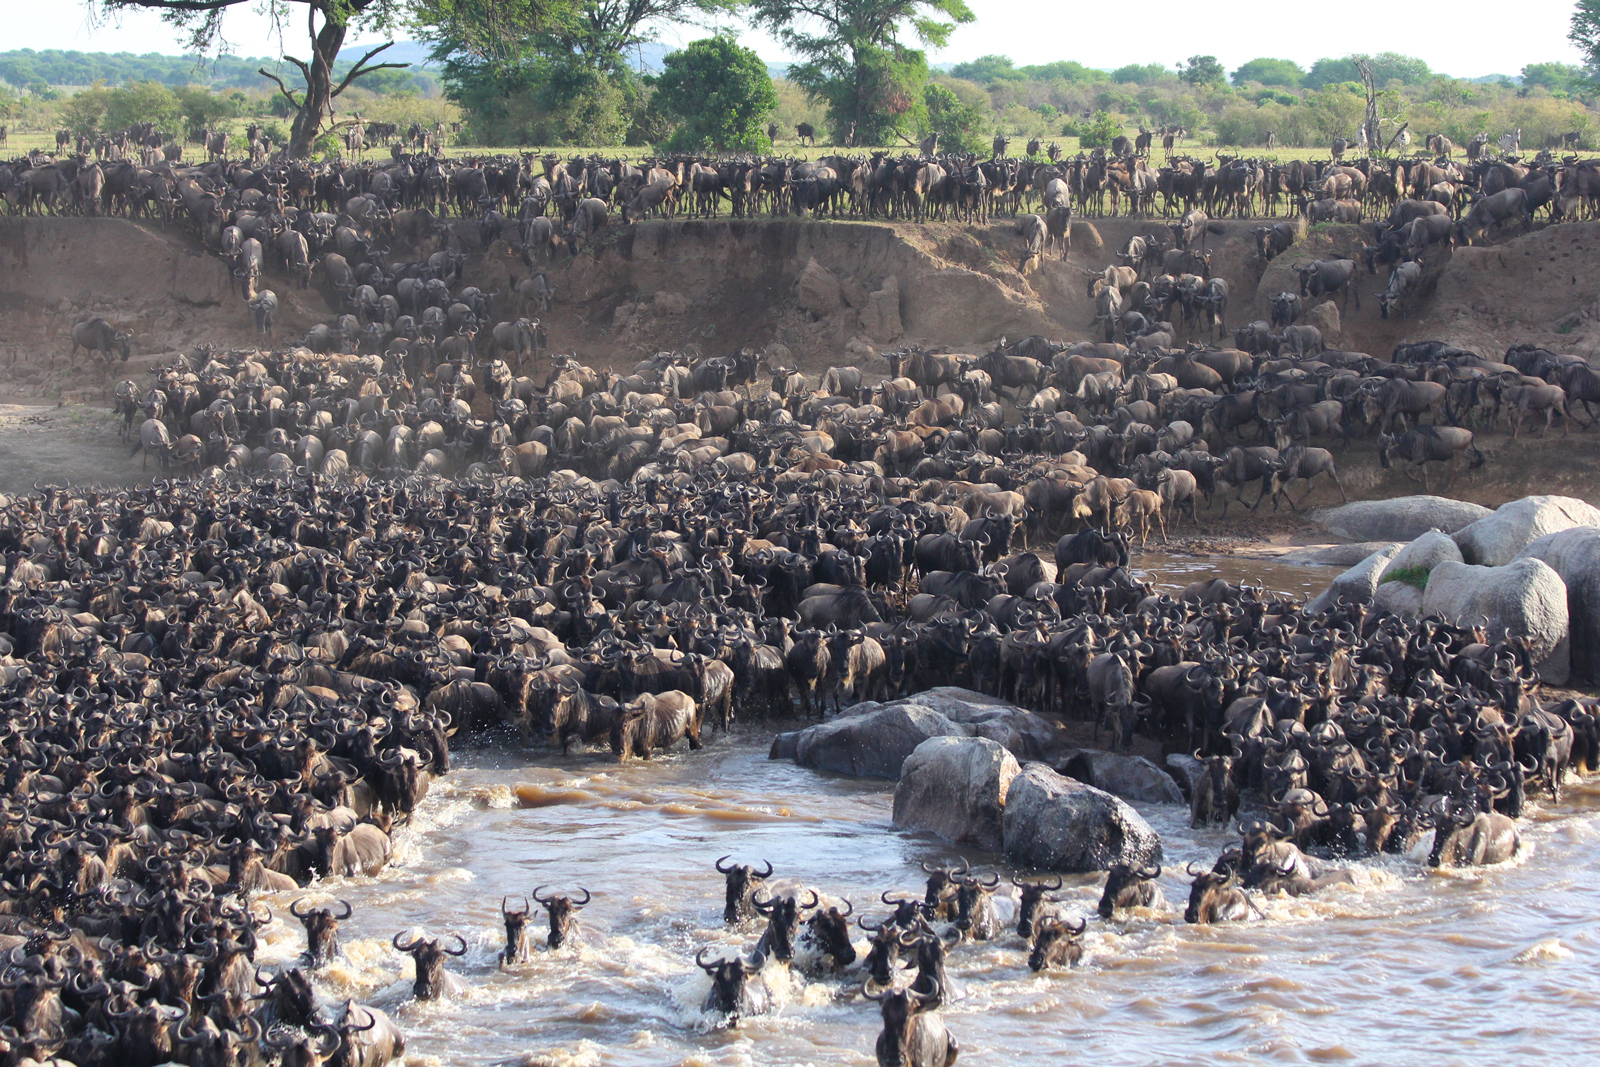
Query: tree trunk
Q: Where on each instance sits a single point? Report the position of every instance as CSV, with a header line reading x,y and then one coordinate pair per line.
x,y
319,89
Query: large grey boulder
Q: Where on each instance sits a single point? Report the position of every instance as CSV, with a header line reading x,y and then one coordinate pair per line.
x,y
1424,553
1525,597
1400,519
1055,823
1128,777
1398,598
1356,584
872,739
1334,555
1575,555
1496,540
956,787
872,745
1186,771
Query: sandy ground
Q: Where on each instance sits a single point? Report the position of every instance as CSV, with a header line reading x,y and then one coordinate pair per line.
x,y
72,443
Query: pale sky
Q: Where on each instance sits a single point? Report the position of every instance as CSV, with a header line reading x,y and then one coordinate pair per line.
x,y
1030,31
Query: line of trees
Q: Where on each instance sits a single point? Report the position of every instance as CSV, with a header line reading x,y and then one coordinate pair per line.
x,y
553,72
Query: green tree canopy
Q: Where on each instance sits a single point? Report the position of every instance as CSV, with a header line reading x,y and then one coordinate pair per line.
x,y
1584,33
720,93
1386,67
1284,72
1202,70
1556,77
959,114
1139,74
854,58
986,69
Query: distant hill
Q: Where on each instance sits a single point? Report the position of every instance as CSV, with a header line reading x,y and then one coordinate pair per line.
x,y
413,52
23,67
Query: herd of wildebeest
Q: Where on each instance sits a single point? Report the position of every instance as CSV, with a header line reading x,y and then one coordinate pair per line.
x,y
241,678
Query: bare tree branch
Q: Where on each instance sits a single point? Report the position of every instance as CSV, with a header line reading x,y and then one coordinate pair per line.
x,y
285,90
361,68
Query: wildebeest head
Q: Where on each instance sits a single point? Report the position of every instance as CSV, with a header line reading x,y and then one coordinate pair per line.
x,y
429,955
1305,274
883,956
830,930
783,922
322,931
942,887
729,983
742,882
1205,894
1127,887
516,950
908,911
563,912
930,982
1057,943
975,907
1033,899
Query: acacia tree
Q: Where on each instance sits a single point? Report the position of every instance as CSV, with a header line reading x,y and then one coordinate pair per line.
x,y
1585,33
202,23
855,59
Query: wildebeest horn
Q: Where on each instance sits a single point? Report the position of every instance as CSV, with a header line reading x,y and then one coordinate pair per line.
x,y
462,951
725,870
699,961
1192,872
406,947
768,872
869,995
815,900
526,907
586,898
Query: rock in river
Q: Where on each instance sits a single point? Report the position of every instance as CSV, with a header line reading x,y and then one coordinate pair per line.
x,y
1055,823
956,787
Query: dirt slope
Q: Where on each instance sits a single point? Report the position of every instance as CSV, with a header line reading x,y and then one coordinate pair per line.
x,y
820,293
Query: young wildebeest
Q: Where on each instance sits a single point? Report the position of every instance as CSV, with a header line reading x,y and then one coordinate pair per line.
x,y
517,948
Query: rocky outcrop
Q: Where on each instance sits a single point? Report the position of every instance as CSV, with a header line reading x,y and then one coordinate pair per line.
x,y
1525,597
1400,519
880,314
817,290
1398,598
1055,823
1575,555
1356,584
1496,539
956,788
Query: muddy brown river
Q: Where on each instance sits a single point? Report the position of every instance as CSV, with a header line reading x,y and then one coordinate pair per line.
x,y
1405,966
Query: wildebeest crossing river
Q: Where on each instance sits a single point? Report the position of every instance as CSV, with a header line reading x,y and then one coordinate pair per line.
x,y
1408,965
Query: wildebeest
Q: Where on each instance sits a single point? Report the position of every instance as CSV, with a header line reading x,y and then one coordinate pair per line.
x,y
98,335
322,931
1326,277
1130,887
743,881
1057,943
1215,897
432,980
655,721
733,994
1467,838
562,912
1430,444
913,1035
